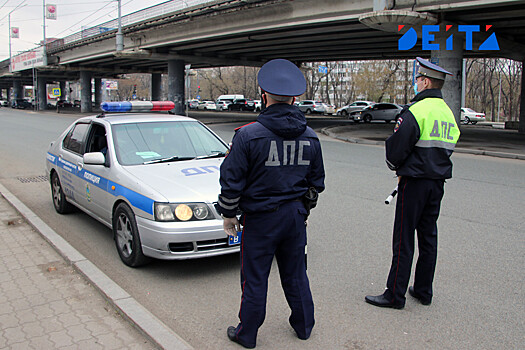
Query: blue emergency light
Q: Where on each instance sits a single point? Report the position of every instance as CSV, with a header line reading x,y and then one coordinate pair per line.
x,y
137,106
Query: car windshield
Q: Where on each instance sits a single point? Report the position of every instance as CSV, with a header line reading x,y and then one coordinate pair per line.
x,y
153,142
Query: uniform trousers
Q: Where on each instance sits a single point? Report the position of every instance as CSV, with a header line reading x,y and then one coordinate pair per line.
x,y
280,233
417,209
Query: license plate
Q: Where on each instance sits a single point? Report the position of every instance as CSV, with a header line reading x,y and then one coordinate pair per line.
x,y
235,240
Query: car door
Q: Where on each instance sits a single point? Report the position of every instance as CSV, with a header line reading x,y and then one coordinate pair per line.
x,y
96,177
69,159
390,112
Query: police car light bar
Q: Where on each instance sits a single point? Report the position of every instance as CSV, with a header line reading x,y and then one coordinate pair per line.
x,y
137,106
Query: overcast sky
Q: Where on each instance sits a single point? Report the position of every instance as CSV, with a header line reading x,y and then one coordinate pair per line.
x,y
72,16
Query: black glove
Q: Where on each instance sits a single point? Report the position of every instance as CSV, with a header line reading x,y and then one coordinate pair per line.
x,y
310,199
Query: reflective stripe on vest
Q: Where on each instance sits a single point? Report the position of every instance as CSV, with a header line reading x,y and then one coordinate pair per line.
x,y
437,125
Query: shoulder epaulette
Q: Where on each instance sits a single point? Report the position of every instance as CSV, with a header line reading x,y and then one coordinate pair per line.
x,y
240,127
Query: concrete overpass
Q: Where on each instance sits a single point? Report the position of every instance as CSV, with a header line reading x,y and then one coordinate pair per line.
x,y
250,32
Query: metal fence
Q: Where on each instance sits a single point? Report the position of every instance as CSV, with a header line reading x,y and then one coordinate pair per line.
x,y
150,12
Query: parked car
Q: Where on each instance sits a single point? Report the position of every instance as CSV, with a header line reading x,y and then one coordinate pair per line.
x,y
329,109
222,105
20,103
379,111
242,104
151,178
356,106
63,103
4,103
258,105
76,103
310,106
207,105
469,115
192,104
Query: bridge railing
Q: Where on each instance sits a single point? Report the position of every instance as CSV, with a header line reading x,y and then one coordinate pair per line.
x,y
141,15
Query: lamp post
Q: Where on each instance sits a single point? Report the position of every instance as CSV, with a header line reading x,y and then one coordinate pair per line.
x,y
9,20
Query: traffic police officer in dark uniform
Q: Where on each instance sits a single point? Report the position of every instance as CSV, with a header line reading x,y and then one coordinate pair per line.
x,y
419,151
271,165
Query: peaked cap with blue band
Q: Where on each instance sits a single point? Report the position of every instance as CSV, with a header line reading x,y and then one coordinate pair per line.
x,y
431,70
281,77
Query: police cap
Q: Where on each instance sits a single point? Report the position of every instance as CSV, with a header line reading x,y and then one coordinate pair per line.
x,y
281,77
431,70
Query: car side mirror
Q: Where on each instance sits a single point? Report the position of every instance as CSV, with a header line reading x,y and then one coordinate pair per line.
x,y
94,158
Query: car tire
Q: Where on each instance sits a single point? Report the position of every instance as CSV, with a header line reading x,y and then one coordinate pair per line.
x,y
62,206
473,123
467,120
367,118
308,111
126,235
344,114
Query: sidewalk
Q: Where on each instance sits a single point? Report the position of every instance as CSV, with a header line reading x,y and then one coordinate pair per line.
x,y
474,139
51,297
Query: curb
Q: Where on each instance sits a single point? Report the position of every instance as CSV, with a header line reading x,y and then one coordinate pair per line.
x,y
143,320
326,131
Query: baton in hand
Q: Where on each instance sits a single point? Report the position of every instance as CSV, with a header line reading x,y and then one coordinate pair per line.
x,y
389,199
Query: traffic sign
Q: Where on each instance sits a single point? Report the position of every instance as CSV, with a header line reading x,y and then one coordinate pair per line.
x,y
323,69
56,92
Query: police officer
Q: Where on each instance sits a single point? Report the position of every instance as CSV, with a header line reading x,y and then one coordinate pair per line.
x,y
419,151
271,165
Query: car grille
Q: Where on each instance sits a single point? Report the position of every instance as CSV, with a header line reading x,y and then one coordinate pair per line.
x,y
201,246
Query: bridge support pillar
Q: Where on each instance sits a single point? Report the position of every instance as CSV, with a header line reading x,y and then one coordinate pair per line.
x,y
18,90
156,79
85,91
176,85
63,92
521,125
451,60
41,90
98,92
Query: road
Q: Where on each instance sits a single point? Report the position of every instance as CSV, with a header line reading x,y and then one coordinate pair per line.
x,y
479,286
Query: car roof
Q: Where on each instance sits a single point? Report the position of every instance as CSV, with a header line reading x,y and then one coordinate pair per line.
x,y
124,118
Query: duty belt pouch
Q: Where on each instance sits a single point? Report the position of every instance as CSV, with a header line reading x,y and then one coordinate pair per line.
x,y
310,199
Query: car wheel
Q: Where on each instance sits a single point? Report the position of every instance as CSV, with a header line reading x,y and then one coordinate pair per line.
x,y
467,120
388,121
127,238
308,111
344,114
367,118
62,206
473,123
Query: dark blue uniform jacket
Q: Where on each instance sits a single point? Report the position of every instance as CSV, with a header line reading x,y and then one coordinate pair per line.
x,y
271,162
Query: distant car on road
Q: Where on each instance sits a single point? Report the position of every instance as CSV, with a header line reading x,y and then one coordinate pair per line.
x,y
64,103
329,109
207,105
4,103
257,105
222,105
311,106
379,111
21,103
242,104
152,178
193,104
469,115
356,106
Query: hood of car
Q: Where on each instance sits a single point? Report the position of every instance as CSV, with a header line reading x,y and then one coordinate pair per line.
x,y
184,181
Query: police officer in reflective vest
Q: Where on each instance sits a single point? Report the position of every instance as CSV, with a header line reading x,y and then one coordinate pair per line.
x,y
419,151
271,165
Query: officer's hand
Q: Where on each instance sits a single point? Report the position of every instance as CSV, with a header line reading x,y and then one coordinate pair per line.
x,y
231,226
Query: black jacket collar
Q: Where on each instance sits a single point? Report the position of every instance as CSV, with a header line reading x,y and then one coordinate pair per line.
x,y
427,93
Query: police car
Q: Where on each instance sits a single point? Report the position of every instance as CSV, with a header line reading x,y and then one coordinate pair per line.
x,y
153,178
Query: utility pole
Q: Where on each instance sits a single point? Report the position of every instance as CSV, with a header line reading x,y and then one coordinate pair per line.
x,y
119,36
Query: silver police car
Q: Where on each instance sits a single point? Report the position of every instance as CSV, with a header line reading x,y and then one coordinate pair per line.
x,y
152,178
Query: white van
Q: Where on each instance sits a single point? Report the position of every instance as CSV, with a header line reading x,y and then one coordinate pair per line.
x,y
229,98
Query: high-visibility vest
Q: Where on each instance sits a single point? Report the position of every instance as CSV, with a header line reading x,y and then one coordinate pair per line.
x,y
437,125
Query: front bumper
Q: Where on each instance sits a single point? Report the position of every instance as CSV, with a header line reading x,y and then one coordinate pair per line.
x,y
183,240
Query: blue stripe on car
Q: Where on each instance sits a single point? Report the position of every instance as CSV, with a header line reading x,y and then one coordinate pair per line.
x,y
135,199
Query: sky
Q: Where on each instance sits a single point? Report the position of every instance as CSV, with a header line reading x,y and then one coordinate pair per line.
x,y
72,15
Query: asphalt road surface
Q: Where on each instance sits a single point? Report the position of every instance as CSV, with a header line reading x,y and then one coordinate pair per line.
x,y
479,286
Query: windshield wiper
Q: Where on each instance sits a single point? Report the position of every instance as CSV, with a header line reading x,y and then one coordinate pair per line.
x,y
168,159
212,155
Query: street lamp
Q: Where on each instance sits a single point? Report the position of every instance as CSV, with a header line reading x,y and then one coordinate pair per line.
x,y
9,20
119,36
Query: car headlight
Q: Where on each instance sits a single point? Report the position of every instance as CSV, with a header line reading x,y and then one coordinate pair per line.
x,y
182,212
